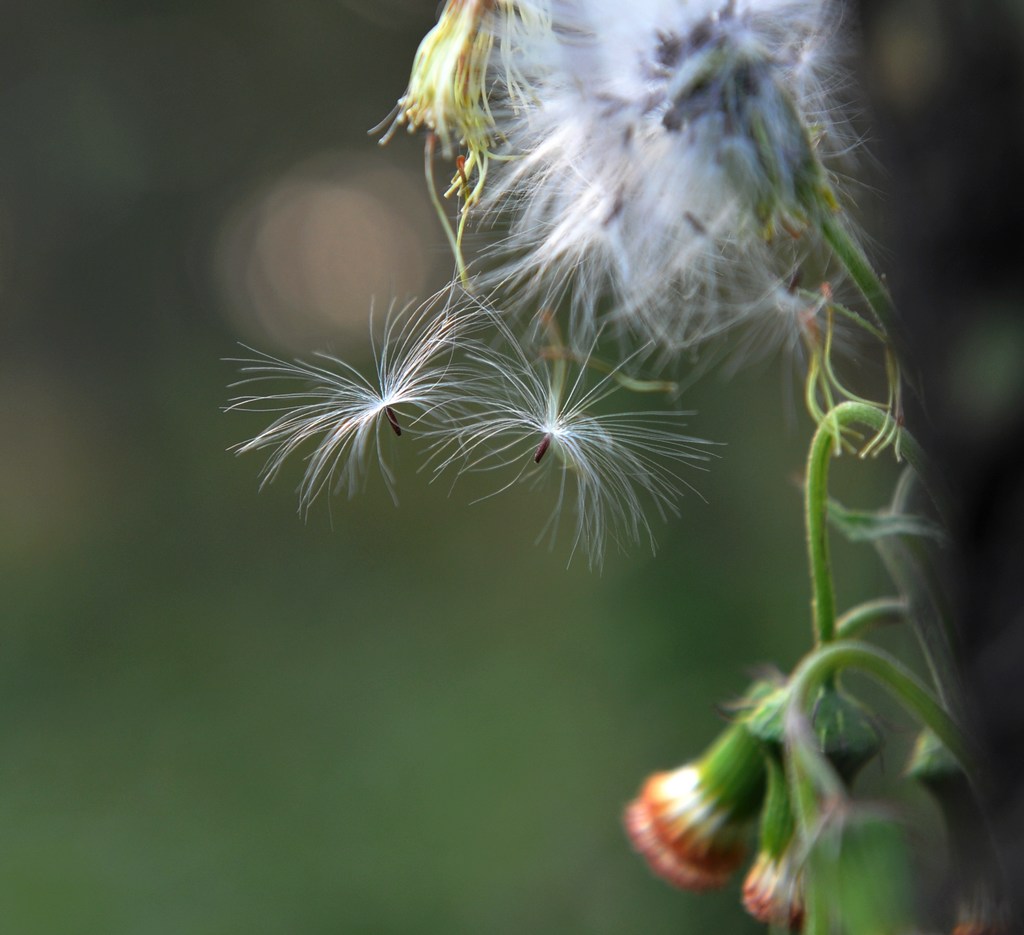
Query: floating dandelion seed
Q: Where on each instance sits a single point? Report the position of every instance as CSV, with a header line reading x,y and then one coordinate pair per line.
x,y
536,418
340,413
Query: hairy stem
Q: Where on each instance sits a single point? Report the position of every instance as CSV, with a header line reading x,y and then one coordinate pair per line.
x,y
824,444
823,599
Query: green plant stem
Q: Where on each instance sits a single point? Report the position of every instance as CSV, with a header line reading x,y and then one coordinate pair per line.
x,y
812,781
823,600
824,663
856,263
815,788
863,617
823,445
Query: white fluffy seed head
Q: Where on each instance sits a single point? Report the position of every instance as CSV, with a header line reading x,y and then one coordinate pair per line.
x,y
670,154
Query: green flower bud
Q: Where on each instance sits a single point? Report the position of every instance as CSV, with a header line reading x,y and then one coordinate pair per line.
x,y
846,731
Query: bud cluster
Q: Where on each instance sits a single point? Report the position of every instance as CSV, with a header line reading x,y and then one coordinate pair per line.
x,y
692,825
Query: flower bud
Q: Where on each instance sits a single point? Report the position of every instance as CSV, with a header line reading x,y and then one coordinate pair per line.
x,y
772,891
690,823
846,732
845,729
934,767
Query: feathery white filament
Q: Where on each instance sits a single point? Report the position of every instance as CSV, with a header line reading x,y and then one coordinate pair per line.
x,y
664,143
534,417
341,413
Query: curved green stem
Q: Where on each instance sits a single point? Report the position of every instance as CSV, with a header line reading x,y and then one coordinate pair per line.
x,y
824,443
863,617
906,687
814,785
856,263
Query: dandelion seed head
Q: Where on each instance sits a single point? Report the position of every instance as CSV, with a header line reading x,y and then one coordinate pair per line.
x,y
668,145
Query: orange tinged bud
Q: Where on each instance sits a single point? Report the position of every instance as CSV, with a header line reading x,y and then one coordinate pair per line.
x,y
771,893
690,824
684,839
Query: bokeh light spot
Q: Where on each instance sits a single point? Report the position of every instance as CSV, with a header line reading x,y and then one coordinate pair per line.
x,y
304,259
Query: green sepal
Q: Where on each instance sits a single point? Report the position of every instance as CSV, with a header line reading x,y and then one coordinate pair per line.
x,y
846,731
765,718
732,771
777,822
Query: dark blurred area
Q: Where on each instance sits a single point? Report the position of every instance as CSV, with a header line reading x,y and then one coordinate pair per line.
x,y
219,717
946,81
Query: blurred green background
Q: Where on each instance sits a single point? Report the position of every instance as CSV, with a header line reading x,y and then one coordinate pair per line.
x,y
219,717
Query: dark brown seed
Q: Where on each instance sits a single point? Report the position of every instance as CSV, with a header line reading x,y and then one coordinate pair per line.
x,y
393,420
545,443
696,223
